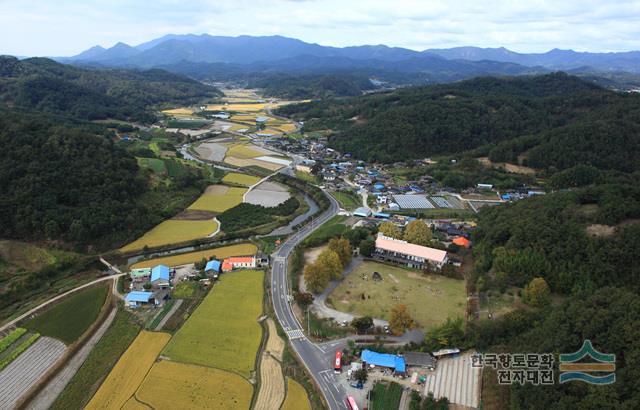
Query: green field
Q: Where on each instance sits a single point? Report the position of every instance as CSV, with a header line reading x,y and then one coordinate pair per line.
x,y
333,227
348,200
69,319
431,299
102,358
224,332
187,123
172,231
306,177
386,396
240,179
154,164
185,290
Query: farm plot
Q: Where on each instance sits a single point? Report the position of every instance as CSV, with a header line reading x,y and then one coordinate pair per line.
x,y
274,160
172,231
69,319
240,179
218,198
243,162
212,151
267,194
241,249
178,112
25,371
253,107
223,332
430,299
272,392
297,398
441,202
172,385
245,151
413,202
124,379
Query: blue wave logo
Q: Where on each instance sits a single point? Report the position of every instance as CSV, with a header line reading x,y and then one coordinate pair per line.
x,y
604,366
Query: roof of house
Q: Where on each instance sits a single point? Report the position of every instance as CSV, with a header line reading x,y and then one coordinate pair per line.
x,y
384,360
406,248
419,359
160,272
362,211
138,296
140,272
240,259
226,265
462,241
212,265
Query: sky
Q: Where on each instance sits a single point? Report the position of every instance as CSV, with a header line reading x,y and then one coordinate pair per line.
x,y
64,28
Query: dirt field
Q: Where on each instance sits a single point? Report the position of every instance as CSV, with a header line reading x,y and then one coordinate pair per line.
x,y
194,215
171,385
297,398
241,249
431,299
211,151
272,391
268,194
600,230
311,255
125,377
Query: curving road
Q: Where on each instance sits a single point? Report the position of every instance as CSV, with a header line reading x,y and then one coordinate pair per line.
x,y
318,359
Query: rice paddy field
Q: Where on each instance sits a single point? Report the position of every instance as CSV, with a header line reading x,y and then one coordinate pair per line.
x,y
218,198
240,179
178,112
173,231
223,332
69,319
297,398
244,151
241,249
125,377
431,299
237,107
170,385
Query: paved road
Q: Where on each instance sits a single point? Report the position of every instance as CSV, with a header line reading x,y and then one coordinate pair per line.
x,y
318,360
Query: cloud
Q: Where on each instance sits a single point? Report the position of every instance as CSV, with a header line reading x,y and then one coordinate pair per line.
x,y
65,27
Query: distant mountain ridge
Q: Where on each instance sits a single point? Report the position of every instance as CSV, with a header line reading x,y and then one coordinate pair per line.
x,y
175,48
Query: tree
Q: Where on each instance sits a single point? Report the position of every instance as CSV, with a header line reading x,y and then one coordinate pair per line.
x,y
537,292
200,265
360,375
400,320
342,247
303,299
329,262
362,324
417,232
315,278
390,229
367,247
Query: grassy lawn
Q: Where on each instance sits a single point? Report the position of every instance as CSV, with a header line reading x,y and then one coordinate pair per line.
x,y
267,244
154,164
240,249
431,299
99,362
172,231
333,227
69,319
297,398
170,385
386,396
240,179
223,332
348,200
219,202
306,177
185,290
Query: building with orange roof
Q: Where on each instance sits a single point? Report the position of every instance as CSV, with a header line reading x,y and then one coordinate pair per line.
x,y
239,262
462,241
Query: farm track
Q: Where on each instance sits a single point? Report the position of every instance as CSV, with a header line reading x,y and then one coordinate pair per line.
x,y
19,376
48,395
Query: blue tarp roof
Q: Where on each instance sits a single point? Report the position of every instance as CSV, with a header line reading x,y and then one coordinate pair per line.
x,y
384,360
138,296
160,272
381,215
213,265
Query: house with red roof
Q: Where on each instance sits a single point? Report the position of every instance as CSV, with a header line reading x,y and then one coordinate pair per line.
x,y
239,262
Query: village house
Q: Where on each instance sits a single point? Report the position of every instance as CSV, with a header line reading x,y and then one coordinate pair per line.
x,y
408,254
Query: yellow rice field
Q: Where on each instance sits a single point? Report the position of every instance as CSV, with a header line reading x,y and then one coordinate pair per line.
x,y
241,179
243,151
268,131
241,249
253,107
129,371
178,112
242,162
173,231
172,385
297,398
219,203
287,127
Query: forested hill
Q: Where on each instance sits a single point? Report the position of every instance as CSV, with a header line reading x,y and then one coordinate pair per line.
x,y
312,85
44,85
556,118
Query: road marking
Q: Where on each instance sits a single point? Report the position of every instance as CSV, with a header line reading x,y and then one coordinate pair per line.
x,y
295,334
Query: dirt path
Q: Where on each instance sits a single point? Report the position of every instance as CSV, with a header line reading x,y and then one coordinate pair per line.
x,y
169,314
272,390
48,395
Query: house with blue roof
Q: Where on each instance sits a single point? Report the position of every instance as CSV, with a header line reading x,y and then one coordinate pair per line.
x,y
213,268
160,276
139,298
384,360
